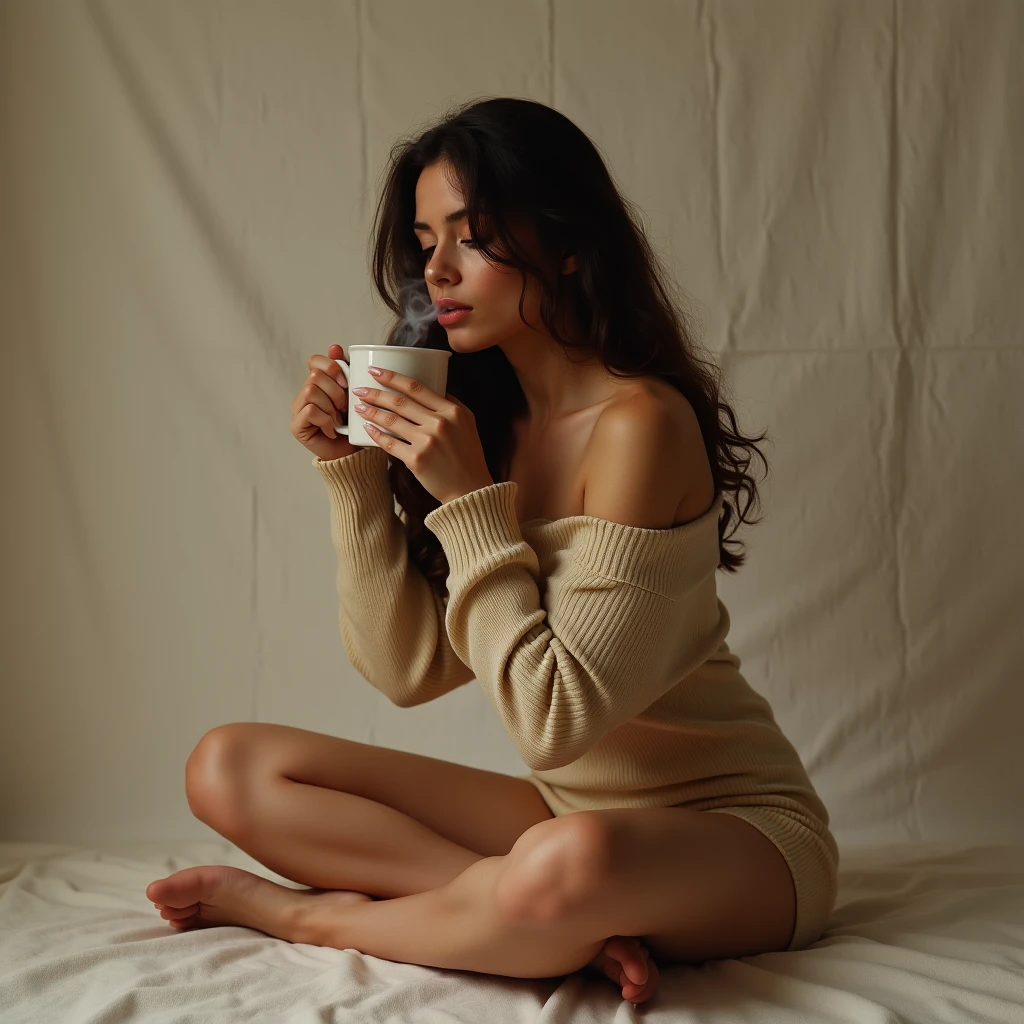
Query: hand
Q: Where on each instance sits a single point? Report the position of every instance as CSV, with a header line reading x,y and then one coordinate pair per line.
x,y
317,407
439,440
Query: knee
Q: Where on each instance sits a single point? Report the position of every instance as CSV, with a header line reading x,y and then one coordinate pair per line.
x,y
214,774
554,868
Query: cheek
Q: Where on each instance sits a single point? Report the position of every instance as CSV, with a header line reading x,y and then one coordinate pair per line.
x,y
498,290
489,288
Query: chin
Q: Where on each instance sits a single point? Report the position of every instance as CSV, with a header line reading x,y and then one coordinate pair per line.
x,y
459,342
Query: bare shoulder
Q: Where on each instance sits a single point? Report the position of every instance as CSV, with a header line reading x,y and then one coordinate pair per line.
x,y
646,464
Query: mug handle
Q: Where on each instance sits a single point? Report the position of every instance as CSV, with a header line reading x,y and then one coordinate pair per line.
x,y
343,428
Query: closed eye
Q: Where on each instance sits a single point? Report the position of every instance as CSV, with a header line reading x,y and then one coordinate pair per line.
x,y
465,241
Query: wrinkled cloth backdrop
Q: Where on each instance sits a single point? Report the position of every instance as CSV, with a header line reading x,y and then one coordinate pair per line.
x,y
185,198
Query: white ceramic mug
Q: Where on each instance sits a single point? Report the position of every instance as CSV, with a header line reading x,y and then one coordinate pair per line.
x,y
427,365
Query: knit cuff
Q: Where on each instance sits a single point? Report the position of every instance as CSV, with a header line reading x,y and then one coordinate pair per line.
x,y
477,527
359,486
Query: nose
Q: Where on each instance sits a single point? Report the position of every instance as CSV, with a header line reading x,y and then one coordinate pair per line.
x,y
437,273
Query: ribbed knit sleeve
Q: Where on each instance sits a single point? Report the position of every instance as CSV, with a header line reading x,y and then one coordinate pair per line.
x,y
392,622
626,613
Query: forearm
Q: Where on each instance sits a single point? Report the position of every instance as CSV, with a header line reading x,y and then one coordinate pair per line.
x,y
391,620
565,668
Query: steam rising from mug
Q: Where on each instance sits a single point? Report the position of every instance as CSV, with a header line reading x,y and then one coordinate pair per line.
x,y
419,311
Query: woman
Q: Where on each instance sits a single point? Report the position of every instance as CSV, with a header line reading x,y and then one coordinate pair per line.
x,y
561,516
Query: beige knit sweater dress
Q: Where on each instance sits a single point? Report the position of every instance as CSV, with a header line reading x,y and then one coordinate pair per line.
x,y
601,647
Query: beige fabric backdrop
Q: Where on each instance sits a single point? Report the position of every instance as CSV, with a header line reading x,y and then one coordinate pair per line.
x,y
185,196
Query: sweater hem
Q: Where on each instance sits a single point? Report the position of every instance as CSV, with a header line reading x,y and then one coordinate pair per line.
x,y
811,864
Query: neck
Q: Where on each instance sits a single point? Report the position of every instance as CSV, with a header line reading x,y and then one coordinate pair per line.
x,y
557,383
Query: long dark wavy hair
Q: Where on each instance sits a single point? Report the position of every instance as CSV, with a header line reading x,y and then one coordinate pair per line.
x,y
517,159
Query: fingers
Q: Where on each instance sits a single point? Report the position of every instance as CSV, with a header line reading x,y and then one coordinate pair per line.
x,y
329,385
328,366
326,422
312,395
323,388
318,360
417,391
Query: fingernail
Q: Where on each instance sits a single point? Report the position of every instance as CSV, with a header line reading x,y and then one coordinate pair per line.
x,y
374,370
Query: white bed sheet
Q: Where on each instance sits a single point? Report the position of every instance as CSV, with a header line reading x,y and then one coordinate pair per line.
x,y
927,933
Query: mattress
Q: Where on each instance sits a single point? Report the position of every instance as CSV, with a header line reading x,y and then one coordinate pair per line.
x,y
921,934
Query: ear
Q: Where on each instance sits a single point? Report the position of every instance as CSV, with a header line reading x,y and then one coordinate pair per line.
x,y
569,265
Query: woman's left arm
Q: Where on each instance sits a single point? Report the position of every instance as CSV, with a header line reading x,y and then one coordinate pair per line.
x,y
562,677
637,615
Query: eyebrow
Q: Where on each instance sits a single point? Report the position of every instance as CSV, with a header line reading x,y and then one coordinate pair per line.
x,y
450,218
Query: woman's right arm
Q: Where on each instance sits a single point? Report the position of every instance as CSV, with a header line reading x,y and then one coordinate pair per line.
x,y
392,623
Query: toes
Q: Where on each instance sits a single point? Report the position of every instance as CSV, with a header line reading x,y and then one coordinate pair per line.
x,y
182,889
636,972
179,913
639,993
607,967
628,963
634,964
628,958
635,994
644,992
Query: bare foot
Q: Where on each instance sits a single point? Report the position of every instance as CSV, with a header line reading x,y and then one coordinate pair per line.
x,y
217,894
627,963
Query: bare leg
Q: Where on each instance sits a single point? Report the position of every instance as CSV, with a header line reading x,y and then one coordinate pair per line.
x,y
458,926
332,840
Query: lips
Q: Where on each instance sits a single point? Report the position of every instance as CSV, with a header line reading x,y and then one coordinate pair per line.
x,y
446,305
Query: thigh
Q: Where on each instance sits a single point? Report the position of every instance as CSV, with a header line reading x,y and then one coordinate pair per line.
x,y
733,893
482,810
693,886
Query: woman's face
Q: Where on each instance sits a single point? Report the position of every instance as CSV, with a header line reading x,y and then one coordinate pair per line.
x,y
455,269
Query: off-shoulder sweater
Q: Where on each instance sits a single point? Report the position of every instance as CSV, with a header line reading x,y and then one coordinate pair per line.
x,y
601,646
